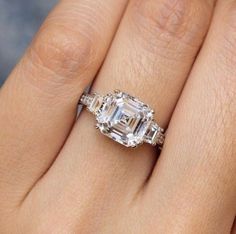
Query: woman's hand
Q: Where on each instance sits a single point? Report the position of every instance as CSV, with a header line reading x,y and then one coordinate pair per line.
x,y
58,176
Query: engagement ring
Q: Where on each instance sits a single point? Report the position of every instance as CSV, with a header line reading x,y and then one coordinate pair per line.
x,y
124,118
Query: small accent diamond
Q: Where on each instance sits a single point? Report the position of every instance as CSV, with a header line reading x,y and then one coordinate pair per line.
x,y
95,104
153,134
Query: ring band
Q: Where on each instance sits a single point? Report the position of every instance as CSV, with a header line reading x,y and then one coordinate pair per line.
x,y
124,119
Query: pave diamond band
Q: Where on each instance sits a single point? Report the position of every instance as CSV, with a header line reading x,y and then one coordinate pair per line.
x,y
124,119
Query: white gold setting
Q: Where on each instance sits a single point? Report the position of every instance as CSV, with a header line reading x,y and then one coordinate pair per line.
x,y
124,119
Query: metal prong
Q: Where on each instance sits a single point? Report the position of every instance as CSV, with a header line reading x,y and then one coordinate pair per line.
x,y
116,91
103,129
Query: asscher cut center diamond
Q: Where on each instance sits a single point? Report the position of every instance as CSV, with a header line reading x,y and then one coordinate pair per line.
x,y
124,118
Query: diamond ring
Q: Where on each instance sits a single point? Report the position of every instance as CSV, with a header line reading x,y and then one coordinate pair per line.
x,y
124,119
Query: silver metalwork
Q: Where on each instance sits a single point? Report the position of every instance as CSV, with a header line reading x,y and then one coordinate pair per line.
x,y
124,118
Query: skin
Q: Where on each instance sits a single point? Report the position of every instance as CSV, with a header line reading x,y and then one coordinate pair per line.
x,y
60,175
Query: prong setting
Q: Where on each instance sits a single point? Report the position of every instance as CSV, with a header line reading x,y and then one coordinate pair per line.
x,y
124,118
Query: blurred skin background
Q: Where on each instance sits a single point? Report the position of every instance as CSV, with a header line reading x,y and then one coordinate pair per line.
x,y
19,21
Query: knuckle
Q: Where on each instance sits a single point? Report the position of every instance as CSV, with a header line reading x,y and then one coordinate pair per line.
x,y
61,53
64,51
180,19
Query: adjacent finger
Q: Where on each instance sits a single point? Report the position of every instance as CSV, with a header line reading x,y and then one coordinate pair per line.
x,y
194,185
38,102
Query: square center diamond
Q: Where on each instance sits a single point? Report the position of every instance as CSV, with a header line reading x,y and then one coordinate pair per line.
x,y
124,119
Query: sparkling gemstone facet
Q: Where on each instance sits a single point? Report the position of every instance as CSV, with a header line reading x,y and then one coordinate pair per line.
x,y
124,119
95,104
153,134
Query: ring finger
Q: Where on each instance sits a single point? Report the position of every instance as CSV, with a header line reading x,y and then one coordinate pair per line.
x,y
150,58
